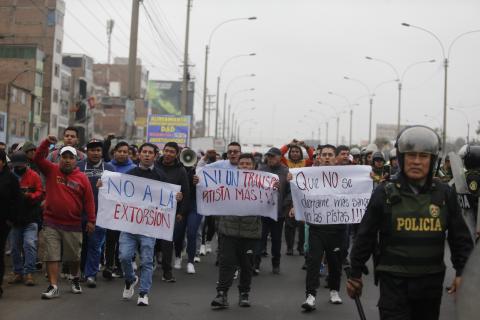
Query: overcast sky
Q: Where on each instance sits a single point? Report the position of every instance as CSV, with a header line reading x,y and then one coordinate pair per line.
x,y
304,49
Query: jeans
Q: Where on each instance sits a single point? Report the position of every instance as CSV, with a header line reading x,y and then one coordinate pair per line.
x,y
26,239
189,225
95,242
128,244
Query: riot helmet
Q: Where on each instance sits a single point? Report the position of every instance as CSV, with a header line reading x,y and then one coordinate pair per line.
x,y
371,148
378,156
472,158
355,152
420,139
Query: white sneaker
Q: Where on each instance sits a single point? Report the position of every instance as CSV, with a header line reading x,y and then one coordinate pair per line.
x,y
178,263
129,290
309,303
235,276
76,288
190,268
208,248
196,259
335,298
202,250
142,300
51,292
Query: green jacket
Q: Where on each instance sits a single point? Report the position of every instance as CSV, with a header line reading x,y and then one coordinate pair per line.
x,y
249,227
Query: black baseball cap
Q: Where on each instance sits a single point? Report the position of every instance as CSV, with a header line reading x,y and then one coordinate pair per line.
x,y
93,143
274,152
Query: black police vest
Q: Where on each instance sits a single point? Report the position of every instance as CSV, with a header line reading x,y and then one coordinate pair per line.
x,y
412,240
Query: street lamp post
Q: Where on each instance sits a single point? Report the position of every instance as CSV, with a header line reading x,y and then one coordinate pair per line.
x,y
230,115
446,59
370,96
337,116
225,99
218,85
400,80
351,114
207,52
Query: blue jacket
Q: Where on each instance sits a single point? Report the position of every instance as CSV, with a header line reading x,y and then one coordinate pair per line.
x,y
123,167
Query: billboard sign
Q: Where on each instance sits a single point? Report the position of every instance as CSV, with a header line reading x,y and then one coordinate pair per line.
x,y
165,128
164,97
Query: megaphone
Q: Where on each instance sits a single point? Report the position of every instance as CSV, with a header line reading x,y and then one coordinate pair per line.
x,y
188,157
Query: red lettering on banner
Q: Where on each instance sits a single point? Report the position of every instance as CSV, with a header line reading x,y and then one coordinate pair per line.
x,y
115,216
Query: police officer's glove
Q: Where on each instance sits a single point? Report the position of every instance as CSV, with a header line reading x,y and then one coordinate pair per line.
x,y
354,287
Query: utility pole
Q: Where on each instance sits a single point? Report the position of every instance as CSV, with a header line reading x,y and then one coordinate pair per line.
x,y
338,130
210,103
217,112
132,63
224,114
110,24
186,76
205,92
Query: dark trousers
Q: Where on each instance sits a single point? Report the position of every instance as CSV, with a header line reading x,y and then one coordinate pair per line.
x,y
233,253
416,298
208,230
275,229
166,248
188,225
291,227
4,231
111,249
331,244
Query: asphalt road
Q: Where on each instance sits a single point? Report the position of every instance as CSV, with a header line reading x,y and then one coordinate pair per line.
x,y
272,297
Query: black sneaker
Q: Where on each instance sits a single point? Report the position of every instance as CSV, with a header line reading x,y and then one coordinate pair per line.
x,y
168,277
220,301
76,288
276,270
51,292
243,301
107,273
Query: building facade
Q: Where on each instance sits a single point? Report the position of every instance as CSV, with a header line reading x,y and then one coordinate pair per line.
x,y
21,93
39,23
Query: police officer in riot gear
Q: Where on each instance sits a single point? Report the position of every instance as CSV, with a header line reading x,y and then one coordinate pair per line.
x,y
411,215
471,162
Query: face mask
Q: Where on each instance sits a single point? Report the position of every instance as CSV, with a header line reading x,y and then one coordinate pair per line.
x,y
20,170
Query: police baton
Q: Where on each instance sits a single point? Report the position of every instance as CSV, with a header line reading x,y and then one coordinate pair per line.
x,y
358,303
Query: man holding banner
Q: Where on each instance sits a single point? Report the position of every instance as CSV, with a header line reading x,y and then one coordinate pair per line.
x,y
239,238
327,198
142,210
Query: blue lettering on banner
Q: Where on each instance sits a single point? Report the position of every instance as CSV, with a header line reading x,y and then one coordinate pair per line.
x,y
148,193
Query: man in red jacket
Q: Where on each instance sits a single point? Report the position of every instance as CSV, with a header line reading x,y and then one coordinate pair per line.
x,y
68,195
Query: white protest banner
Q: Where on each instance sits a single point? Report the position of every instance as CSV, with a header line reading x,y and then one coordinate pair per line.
x,y
231,192
137,205
331,194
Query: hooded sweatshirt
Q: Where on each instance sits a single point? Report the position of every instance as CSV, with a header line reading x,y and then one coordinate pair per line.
x,y
176,174
122,167
67,195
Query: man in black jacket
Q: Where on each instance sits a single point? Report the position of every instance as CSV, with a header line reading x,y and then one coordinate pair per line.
x,y
171,170
10,197
275,166
412,215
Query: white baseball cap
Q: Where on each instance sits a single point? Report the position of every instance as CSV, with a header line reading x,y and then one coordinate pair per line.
x,y
72,150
